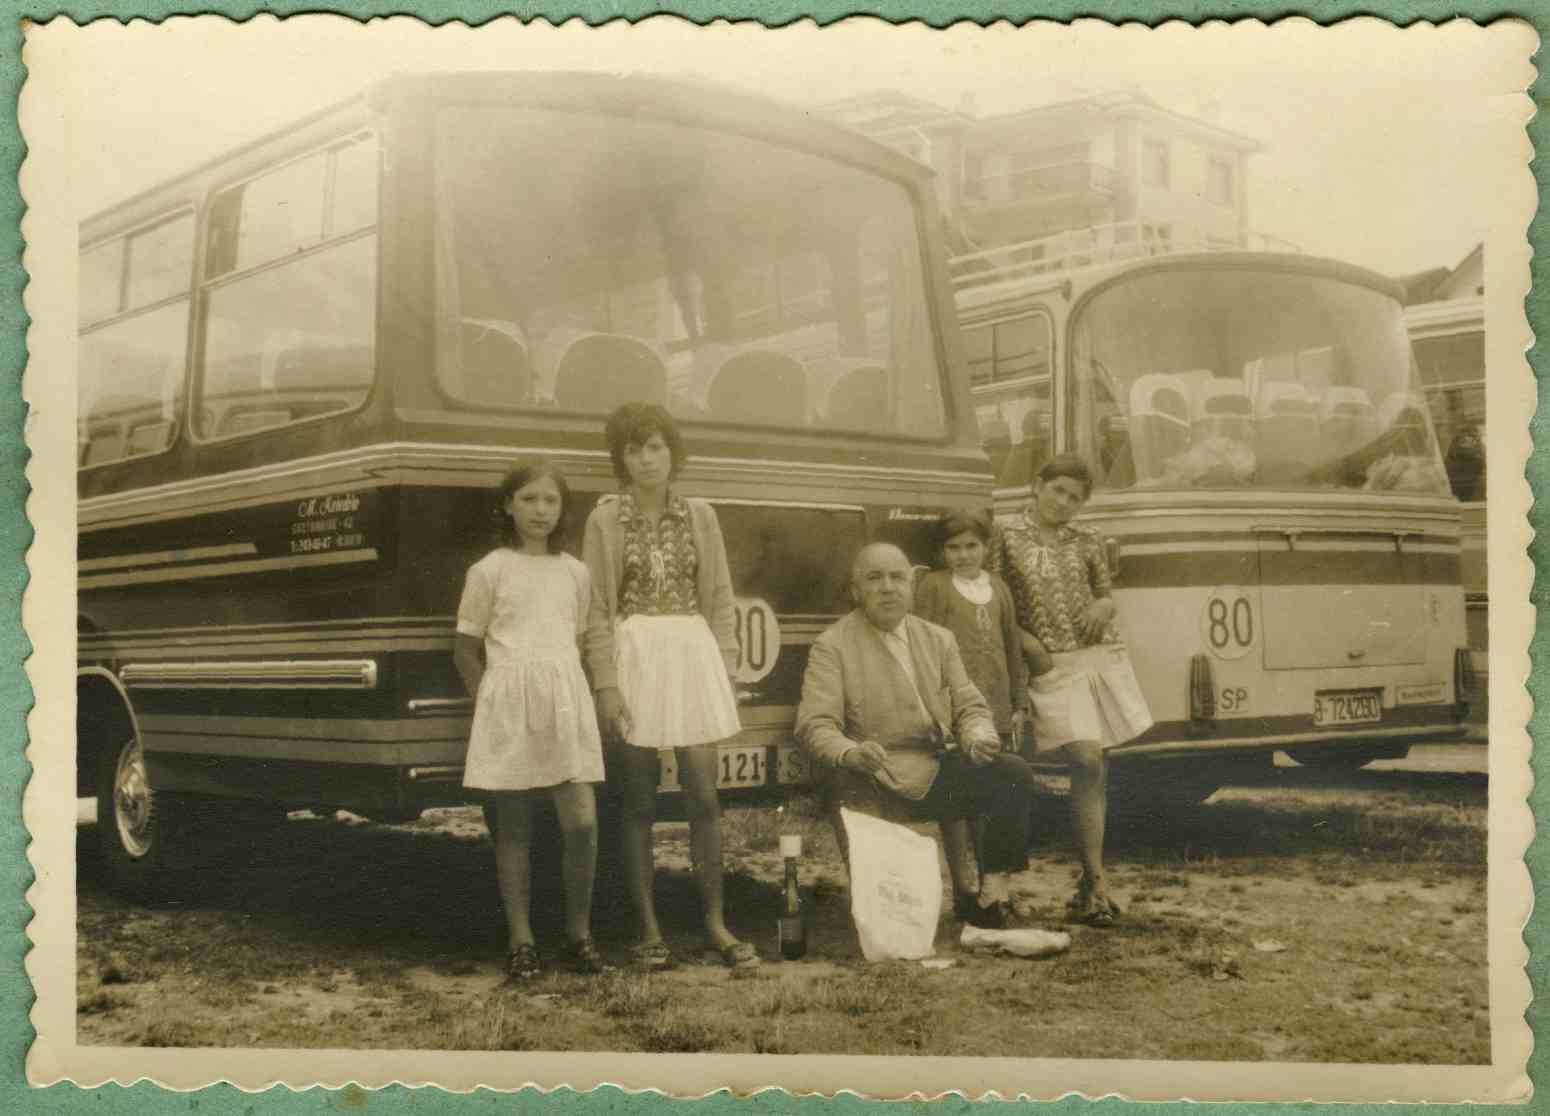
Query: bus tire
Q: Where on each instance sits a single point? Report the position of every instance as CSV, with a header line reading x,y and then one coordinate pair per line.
x,y
1346,759
143,835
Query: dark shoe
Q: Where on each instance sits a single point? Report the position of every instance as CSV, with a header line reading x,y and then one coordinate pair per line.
x,y
523,965
968,908
583,957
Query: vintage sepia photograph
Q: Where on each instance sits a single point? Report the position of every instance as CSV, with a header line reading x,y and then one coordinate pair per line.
x,y
864,557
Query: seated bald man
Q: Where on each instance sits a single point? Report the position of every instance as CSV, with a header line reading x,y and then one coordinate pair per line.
x,y
895,729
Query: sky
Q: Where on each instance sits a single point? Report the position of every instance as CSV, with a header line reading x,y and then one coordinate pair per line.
x,y
1382,147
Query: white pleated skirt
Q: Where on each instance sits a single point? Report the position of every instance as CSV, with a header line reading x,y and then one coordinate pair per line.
x,y
1091,694
674,682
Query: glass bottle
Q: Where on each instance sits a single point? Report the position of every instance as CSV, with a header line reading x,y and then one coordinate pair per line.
x,y
793,924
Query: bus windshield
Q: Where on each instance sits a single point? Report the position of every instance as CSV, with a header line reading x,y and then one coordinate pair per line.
x,y
584,260
1236,378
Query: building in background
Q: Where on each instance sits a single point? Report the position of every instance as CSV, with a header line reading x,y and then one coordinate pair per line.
x,y
1114,173
1045,190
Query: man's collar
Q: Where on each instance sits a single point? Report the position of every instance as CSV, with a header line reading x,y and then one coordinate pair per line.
x,y
896,630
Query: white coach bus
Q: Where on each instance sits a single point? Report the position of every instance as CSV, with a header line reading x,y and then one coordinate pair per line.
x,y
1285,544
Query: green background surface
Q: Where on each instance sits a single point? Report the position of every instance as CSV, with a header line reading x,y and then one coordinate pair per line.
x,y
15,534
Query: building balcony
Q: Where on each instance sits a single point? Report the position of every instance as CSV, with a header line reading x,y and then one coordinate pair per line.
x,y
1097,245
1055,183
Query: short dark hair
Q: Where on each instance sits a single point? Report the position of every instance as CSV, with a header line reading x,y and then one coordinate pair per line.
x,y
516,479
633,424
957,522
1068,465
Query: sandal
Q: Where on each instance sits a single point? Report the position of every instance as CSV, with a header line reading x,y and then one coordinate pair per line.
x,y
651,957
523,964
583,957
740,957
1090,908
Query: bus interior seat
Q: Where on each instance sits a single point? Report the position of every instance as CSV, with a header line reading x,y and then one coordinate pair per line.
x,y
1348,420
996,438
149,437
1403,417
859,400
104,442
496,369
1222,408
108,429
1286,432
1028,454
1159,421
245,419
601,371
759,387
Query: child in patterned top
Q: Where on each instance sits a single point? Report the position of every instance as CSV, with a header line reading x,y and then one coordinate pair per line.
x,y
518,624
1060,582
661,647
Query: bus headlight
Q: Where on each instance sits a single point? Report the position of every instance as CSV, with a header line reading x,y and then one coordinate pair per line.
x,y
1202,693
1465,685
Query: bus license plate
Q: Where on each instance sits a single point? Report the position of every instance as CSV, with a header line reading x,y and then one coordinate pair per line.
x,y
1347,707
741,767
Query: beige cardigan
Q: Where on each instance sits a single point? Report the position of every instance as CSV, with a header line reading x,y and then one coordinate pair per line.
x,y
602,547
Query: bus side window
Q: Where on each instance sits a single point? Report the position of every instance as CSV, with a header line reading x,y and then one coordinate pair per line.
x,y
295,339
133,344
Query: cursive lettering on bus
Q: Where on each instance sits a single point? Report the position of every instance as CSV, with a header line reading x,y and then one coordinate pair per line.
x,y
328,505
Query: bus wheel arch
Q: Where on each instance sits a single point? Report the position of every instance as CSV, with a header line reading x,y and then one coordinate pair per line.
x,y
139,842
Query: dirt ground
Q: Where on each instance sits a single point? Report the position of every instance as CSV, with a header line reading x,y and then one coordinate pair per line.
x,y
1307,917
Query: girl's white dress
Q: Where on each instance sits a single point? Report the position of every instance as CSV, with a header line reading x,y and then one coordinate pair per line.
x,y
534,723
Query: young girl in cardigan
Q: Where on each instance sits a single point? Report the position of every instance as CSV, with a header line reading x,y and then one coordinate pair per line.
x,y
661,648
976,606
534,728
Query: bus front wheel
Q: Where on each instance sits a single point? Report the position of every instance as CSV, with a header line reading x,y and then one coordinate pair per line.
x,y
141,832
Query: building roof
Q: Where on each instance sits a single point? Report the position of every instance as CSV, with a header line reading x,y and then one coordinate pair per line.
x,y
886,111
1431,285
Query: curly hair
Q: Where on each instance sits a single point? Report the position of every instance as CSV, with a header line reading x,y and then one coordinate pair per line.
x,y
516,479
1068,465
633,424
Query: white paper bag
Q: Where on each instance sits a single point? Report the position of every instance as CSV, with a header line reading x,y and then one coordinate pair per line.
x,y
895,887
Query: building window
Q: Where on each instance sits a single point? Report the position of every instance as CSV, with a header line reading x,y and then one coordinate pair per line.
x,y
1219,184
1156,164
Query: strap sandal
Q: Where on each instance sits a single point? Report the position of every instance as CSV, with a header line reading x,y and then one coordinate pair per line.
x,y
651,957
523,964
1090,908
583,957
740,957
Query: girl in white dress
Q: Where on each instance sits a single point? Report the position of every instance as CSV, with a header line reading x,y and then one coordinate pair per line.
x,y
523,608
